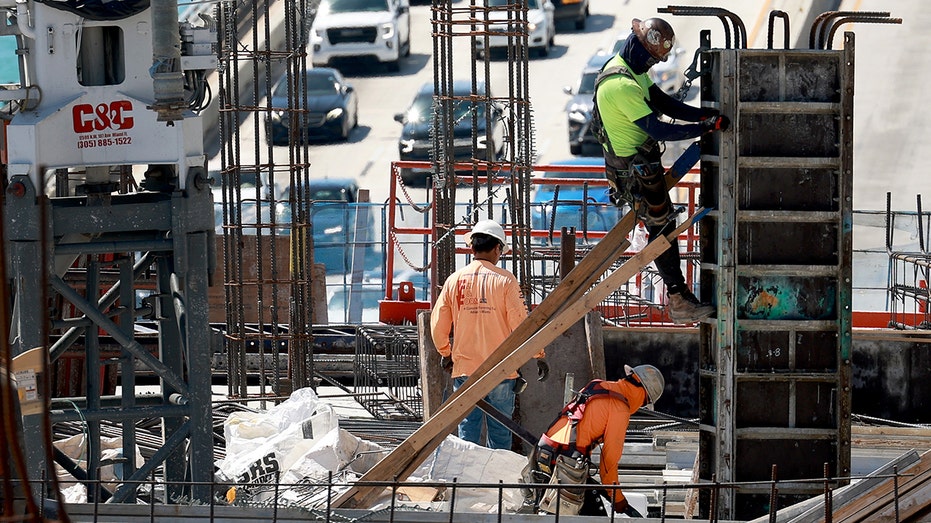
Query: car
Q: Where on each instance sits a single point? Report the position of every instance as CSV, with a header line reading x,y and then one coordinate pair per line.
x,y
416,143
567,208
249,178
540,24
353,29
576,11
666,75
579,108
332,108
333,210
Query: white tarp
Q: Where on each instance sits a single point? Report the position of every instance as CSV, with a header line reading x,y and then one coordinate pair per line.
x,y
111,451
457,459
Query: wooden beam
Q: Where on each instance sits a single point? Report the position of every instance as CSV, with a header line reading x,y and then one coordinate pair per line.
x,y
568,303
912,486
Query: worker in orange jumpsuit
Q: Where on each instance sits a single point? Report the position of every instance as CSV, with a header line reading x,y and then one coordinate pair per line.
x,y
600,413
483,303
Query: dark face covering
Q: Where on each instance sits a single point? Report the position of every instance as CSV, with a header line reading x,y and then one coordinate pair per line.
x,y
637,57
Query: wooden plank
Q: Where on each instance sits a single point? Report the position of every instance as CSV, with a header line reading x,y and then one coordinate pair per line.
x,y
812,510
436,381
872,501
433,431
569,303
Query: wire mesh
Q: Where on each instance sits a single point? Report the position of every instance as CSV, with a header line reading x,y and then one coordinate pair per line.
x,y
387,372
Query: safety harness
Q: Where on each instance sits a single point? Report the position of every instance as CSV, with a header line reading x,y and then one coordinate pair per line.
x,y
628,177
559,462
549,448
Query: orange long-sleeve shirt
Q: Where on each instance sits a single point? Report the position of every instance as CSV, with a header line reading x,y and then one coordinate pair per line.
x,y
606,419
483,302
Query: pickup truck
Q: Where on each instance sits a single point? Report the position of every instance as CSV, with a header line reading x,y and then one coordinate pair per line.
x,y
353,29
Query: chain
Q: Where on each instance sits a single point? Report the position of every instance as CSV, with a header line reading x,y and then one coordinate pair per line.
x,y
407,196
397,245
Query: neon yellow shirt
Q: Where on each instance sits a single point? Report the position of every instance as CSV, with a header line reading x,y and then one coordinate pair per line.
x,y
621,101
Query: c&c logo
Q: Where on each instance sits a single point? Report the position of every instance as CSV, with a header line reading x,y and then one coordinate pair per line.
x,y
115,115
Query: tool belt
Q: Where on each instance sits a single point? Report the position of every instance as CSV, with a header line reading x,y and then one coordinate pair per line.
x,y
568,471
639,181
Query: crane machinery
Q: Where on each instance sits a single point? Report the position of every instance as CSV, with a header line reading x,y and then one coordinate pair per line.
x,y
110,92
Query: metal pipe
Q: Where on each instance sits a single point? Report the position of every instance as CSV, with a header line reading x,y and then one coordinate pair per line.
x,y
114,246
167,80
119,414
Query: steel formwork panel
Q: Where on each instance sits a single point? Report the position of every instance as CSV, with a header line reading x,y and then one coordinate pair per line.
x,y
775,372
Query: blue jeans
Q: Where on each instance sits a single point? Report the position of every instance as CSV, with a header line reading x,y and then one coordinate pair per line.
x,y
501,398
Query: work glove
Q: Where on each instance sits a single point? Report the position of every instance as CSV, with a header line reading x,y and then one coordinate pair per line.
x,y
520,384
543,369
708,112
715,123
447,363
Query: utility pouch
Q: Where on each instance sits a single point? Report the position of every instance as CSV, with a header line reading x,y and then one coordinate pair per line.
x,y
546,457
568,501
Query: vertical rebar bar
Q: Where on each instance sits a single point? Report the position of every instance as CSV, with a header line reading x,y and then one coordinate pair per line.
x,y
713,509
452,500
662,502
828,509
895,490
329,494
772,495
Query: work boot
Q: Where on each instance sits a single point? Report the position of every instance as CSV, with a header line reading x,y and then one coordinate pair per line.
x,y
528,507
684,308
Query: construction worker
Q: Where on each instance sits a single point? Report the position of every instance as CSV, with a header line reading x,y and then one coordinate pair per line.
x,y
599,413
483,303
630,106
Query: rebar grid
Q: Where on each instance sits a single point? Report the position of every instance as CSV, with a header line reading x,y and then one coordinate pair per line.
x,y
267,264
387,372
511,105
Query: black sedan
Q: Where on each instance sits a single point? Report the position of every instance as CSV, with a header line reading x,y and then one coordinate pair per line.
x,y
332,108
416,142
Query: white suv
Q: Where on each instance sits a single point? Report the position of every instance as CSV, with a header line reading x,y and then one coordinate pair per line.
x,y
541,26
362,28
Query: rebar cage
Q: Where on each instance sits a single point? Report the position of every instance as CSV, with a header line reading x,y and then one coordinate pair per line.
x,y
386,372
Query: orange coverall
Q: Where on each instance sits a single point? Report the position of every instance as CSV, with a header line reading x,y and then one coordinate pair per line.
x,y
483,302
605,420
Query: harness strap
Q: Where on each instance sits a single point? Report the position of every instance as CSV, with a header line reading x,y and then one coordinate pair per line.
x,y
603,75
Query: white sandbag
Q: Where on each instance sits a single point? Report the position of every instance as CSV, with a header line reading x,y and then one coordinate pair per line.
x,y
470,463
261,446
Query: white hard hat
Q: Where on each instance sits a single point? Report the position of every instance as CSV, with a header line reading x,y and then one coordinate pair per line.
x,y
491,228
651,379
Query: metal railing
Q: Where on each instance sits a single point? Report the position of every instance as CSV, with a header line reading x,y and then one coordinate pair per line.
x,y
273,500
410,235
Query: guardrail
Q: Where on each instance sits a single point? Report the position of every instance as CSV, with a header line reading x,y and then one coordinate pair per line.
x,y
402,237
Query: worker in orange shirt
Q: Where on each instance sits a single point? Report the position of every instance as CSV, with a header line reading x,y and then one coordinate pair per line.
x,y
482,303
599,413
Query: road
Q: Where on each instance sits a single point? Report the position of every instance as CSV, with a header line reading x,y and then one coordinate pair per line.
x,y
368,154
